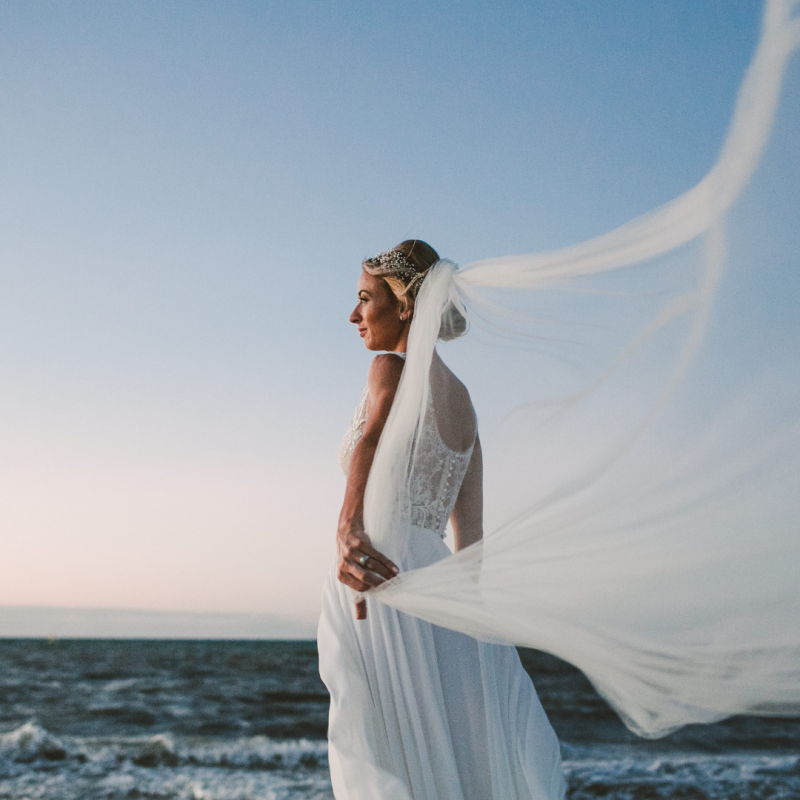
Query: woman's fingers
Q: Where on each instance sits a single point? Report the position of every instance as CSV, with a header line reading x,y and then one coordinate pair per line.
x,y
367,561
364,575
377,560
350,580
361,566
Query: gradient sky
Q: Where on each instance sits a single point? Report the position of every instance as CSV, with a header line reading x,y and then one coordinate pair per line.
x,y
186,192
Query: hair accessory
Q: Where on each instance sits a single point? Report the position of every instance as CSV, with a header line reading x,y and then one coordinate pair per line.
x,y
394,263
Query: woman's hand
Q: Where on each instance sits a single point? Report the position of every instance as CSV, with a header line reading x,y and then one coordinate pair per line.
x,y
360,566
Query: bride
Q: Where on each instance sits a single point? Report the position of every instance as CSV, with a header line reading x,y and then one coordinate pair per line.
x,y
419,711
642,506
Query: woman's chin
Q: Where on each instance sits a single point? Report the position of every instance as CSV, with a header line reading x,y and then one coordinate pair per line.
x,y
370,343
379,346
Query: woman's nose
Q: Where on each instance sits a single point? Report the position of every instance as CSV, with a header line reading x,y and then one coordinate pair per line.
x,y
355,316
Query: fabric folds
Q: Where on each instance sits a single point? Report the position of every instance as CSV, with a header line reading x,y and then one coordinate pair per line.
x,y
639,397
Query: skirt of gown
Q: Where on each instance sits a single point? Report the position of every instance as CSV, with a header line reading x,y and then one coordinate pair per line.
x,y
420,712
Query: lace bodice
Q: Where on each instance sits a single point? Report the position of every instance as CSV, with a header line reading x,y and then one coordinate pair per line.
x,y
437,474
354,432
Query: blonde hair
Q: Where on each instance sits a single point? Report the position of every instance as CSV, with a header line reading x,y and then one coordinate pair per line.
x,y
417,258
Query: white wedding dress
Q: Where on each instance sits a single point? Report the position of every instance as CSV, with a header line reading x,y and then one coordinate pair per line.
x,y
639,397
419,711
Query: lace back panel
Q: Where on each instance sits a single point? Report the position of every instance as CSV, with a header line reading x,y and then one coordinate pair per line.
x,y
437,474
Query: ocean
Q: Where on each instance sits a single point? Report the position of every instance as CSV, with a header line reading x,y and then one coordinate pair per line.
x,y
246,720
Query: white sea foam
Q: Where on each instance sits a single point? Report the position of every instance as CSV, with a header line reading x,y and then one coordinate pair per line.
x,y
30,743
35,763
734,776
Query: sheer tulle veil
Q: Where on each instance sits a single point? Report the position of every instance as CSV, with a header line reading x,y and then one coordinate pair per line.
x,y
639,403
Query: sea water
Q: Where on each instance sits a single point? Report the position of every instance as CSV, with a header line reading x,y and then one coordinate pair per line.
x,y
224,720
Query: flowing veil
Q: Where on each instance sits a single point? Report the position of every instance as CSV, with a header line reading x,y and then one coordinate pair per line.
x,y
639,403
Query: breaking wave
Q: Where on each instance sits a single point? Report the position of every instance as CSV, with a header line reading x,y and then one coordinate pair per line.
x,y
30,743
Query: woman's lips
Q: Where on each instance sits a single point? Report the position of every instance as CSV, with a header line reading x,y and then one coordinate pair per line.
x,y
361,332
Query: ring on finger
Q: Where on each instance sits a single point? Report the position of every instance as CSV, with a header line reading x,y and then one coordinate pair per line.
x,y
363,560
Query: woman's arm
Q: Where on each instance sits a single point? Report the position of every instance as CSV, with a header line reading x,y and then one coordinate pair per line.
x,y
467,516
352,540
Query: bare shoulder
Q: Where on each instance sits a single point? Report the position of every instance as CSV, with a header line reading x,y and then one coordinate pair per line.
x,y
458,387
452,405
384,372
451,384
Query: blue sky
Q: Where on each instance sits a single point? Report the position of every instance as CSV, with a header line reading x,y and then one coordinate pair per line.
x,y
186,192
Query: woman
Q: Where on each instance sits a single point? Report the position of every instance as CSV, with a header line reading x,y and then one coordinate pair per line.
x,y
645,530
419,711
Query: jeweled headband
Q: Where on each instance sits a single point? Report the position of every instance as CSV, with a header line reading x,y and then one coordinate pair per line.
x,y
394,263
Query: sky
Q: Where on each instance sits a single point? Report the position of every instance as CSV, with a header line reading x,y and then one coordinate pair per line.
x,y
187,190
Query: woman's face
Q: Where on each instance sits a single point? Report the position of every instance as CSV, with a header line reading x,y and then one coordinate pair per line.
x,y
377,314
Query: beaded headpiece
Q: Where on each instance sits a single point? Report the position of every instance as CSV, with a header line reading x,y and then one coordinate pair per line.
x,y
395,264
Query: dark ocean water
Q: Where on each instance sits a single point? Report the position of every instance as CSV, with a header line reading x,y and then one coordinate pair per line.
x,y
228,720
